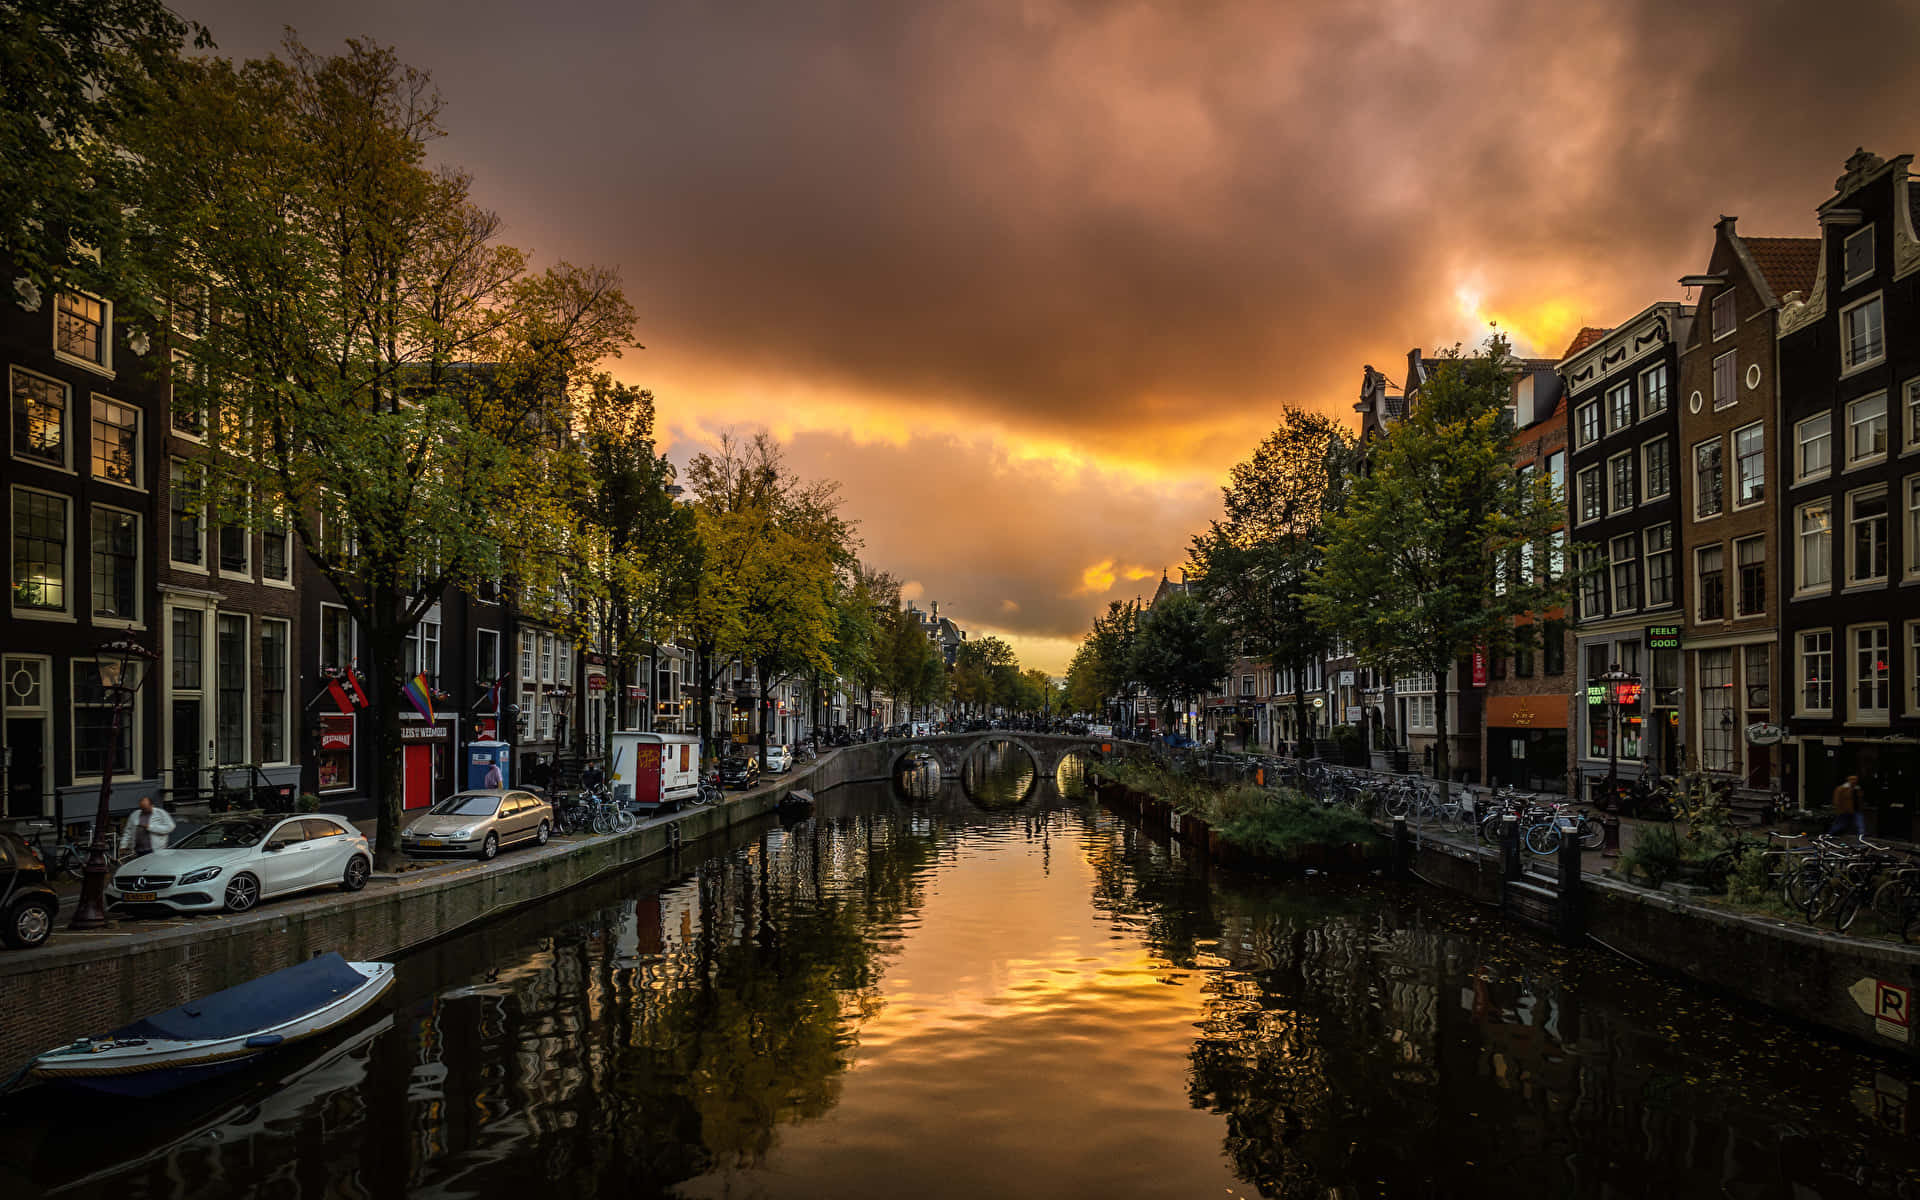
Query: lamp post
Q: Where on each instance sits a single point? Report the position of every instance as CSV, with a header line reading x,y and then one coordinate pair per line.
x,y
1623,688
122,667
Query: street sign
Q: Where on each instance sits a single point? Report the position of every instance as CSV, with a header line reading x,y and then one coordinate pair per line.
x,y
1889,1004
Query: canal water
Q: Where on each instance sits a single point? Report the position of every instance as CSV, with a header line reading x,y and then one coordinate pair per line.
x,y
988,988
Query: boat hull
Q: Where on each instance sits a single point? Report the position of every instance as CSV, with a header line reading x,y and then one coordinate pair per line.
x,y
153,1066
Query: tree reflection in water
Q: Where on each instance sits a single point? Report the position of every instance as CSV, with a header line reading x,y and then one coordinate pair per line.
x,y
998,775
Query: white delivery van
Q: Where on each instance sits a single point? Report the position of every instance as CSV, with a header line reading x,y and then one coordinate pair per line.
x,y
654,771
923,729
1100,731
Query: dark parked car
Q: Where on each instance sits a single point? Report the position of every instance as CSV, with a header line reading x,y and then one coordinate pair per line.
x,y
27,904
739,771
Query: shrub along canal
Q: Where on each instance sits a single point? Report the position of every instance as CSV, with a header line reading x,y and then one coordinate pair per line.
x,y
993,988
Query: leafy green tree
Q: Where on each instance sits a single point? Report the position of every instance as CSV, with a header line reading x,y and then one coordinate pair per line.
x,y
984,671
372,367
644,556
1181,651
1252,565
1105,658
864,598
1440,545
914,671
73,76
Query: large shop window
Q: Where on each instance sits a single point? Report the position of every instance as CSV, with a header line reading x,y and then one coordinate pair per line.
x,y
1717,721
336,752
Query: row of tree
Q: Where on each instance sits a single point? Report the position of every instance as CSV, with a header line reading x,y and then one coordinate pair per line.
x,y
1414,551
372,367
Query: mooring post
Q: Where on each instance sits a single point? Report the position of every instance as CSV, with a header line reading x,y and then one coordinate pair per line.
x,y
1510,847
1611,846
1572,919
1402,849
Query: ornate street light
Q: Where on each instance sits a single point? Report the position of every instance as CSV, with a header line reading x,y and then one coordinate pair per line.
x,y
122,667
1623,690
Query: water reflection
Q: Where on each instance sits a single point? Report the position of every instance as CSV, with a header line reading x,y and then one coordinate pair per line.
x,y
932,999
999,774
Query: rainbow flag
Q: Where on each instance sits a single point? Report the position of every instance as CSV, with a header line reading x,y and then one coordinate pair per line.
x,y
418,695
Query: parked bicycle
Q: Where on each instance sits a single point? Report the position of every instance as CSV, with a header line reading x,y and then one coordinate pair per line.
x,y
66,858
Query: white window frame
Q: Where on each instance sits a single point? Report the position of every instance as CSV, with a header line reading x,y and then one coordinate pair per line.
x,y
1699,586
130,718
1760,496
139,481
291,703
1846,248
1802,440
1739,588
65,465
139,569
1648,392
1910,413
221,616
1913,668
1849,365
1854,578
217,558
1664,445
1800,656
1732,397
1886,438
1800,557
1910,490
188,470
1582,438
66,611
1631,562
276,523
353,636
1648,552
1855,712
1589,480
1720,492
1616,410
1732,313
105,365
1614,465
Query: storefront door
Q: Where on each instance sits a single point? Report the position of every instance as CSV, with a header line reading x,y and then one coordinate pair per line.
x,y
26,766
417,776
185,759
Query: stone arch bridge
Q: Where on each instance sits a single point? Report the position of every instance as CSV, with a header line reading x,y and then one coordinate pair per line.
x,y
954,750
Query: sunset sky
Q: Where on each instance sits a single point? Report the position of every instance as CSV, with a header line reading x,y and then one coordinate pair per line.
x,y
1028,276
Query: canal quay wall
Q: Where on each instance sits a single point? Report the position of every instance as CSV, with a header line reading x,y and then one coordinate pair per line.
x,y
1862,988
83,984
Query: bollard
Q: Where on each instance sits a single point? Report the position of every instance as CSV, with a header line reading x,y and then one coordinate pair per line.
x,y
1402,849
1571,921
1510,846
1610,848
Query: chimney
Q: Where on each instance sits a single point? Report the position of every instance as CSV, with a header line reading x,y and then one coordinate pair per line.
x,y
936,610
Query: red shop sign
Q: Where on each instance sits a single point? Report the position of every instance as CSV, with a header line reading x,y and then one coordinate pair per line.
x,y
336,732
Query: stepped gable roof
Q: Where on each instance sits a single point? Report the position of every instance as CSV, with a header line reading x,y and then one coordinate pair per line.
x,y
1587,336
1788,263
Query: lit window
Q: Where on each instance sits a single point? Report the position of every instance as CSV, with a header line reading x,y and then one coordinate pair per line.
x,y
1862,335
39,418
39,552
116,441
81,328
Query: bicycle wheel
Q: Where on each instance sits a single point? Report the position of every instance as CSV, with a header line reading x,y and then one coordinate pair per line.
x,y
1890,904
1826,898
622,821
1593,834
1543,838
599,820
1802,883
1846,909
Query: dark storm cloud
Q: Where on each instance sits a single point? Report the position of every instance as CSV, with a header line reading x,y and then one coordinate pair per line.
x,y
1130,227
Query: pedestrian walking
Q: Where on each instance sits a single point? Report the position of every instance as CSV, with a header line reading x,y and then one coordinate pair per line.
x,y
146,830
1847,817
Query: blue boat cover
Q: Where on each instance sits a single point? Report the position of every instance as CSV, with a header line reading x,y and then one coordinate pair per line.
x,y
254,1005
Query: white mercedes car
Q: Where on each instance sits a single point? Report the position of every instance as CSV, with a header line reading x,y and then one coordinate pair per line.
x,y
234,863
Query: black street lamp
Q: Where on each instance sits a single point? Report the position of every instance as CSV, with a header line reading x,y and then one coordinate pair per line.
x,y
1623,689
122,667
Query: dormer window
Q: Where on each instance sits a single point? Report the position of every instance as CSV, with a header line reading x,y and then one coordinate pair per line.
x,y
1858,257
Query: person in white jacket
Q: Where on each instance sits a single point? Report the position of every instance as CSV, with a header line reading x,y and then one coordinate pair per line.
x,y
146,830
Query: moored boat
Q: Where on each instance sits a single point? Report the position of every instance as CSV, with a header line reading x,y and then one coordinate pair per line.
x,y
797,801
220,1032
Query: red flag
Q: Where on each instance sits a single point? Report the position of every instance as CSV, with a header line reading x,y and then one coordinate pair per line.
x,y
353,677
339,696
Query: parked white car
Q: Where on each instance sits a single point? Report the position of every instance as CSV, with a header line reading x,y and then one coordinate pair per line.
x,y
236,862
779,759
